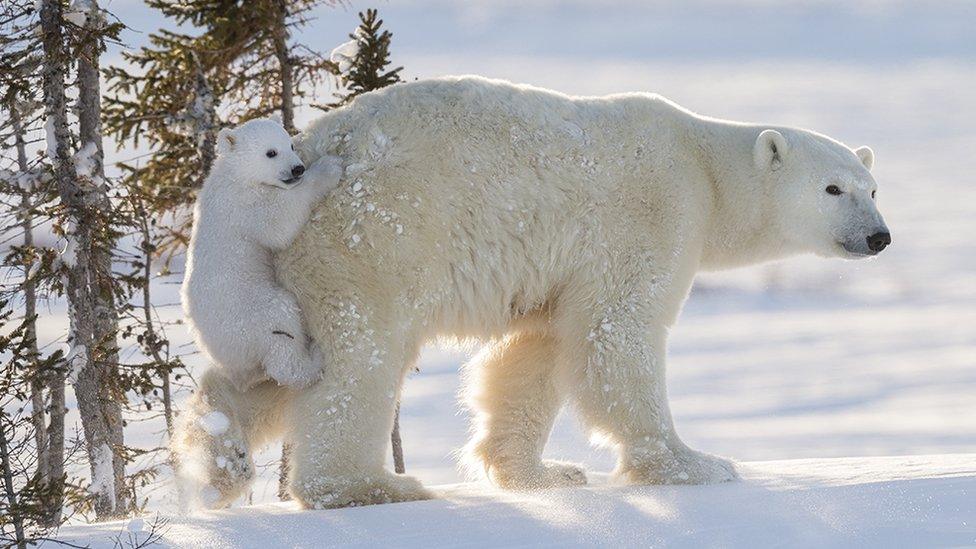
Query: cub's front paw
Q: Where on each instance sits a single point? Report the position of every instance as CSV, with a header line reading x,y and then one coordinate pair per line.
x,y
325,173
294,368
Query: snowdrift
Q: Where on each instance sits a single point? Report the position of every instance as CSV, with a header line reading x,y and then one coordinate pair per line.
x,y
886,501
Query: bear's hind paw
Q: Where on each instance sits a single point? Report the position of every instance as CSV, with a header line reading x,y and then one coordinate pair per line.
x,y
388,488
684,466
548,474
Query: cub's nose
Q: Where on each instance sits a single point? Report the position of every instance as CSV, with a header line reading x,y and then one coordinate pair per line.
x,y
297,171
879,241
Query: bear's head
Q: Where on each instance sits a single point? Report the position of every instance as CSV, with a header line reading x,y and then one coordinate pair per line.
x,y
260,152
824,193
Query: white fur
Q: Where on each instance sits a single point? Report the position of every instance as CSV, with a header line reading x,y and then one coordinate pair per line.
x,y
250,207
565,233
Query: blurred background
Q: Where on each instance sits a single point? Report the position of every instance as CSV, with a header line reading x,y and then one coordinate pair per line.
x,y
804,358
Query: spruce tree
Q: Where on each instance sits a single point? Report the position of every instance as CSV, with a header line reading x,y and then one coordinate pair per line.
x,y
238,59
362,62
30,200
79,35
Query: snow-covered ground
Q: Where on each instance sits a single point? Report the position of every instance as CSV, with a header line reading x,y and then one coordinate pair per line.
x,y
923,501
804,359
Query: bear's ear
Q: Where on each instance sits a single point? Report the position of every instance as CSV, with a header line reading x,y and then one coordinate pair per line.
x,y
226,141
275,116
866,155
770,150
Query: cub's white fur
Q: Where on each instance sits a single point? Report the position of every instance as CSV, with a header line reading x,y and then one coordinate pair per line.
x,y
565,233
254,202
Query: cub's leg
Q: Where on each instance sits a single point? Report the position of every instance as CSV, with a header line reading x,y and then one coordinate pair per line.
x,y
217,434
616,362
291,359
512,389
340,432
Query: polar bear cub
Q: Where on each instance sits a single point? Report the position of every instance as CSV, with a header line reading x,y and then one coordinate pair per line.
x,y
256,199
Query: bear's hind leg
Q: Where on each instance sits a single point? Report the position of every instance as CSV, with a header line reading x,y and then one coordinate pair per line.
x,y
216,436
513,391
340,433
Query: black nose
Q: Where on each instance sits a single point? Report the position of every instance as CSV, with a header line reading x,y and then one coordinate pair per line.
x,y
879,241
297,171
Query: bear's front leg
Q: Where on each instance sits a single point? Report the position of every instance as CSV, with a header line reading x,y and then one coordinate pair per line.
x,y
341,426
617,366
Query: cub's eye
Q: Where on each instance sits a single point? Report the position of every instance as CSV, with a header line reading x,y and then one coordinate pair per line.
x,y
834,190
293,147
873,193
271,153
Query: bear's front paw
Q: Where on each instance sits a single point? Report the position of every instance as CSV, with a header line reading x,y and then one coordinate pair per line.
x,y
676,466
385,488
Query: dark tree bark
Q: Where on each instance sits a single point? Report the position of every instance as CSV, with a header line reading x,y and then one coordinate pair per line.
x,y
285,68
48,439
397,443
8,486
206,129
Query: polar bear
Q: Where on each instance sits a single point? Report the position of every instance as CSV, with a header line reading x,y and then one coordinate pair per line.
x,y
565,233
255,200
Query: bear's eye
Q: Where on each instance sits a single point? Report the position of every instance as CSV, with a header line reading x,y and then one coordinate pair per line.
x,y
293,147
271,153
873,193
834,190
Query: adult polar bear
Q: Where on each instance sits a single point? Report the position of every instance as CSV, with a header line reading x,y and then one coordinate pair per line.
x,y
564,232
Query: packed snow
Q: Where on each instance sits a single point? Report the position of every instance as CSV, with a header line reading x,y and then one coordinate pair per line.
x,y
103,477
50,139
80,12
214,423
76,359
798,361
85,161
865,502
345,54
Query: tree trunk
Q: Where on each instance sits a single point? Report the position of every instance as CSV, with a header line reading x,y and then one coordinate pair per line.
x,y
151,337
54,496
30,305
397,444
50,478
8,487
283,470
92,313
285,68
206,129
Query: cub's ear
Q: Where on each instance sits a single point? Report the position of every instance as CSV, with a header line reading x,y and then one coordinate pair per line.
x,y
866,155
770,150
275,116
226,141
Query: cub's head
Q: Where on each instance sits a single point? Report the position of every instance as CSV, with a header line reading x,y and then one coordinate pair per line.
x,y
824,192
260,152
